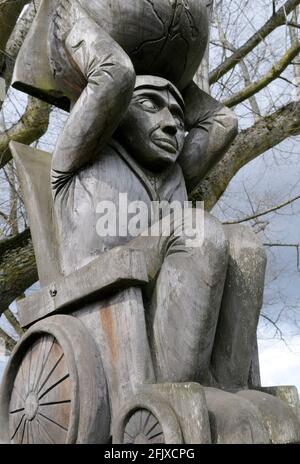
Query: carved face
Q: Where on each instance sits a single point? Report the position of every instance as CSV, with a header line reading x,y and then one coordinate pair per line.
x,y
153,128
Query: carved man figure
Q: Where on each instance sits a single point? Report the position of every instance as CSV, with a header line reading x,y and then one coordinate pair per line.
x,y
85,54
187,283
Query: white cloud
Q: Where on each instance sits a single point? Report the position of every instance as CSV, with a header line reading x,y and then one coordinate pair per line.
x,y
280,362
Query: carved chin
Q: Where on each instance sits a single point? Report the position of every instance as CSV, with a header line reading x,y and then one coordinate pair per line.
x,y
164,157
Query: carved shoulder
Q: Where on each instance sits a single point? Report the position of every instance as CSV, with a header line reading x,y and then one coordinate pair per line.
x,y
64,17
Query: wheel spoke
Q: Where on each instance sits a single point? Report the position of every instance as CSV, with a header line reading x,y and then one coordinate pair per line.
x,y
29,370
159,439
36,434
152,423
25,368
17,403
45,432
27,430
143,427
128,439
153,428
30,427
55,403
141,421
146,421
56,430
17,411
23,432
19,394
23,377
54,385
155,436
19,425
51,372
53,422
128,435
43,365
39,350
136,422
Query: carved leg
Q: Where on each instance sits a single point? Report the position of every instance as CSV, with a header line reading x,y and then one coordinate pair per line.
x,y
110,80
241,305
185,304
233,419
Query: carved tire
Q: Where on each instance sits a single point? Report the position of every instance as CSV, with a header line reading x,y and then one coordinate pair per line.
x,y
54,388
148,419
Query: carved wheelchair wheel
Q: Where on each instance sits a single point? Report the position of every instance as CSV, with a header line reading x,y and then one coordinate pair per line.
x,y
148,419
54,388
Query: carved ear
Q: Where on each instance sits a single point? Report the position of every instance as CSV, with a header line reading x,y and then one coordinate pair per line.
x,y
32,72
199,106
33,168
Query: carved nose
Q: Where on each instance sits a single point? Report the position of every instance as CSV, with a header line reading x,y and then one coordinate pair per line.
x,y
168,124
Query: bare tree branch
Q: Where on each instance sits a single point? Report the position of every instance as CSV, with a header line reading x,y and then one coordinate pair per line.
x,y
278,330
250,143
9,341
287,245
9,13
32,125
263,213
13,322
15,42
270,76
17,268
277,19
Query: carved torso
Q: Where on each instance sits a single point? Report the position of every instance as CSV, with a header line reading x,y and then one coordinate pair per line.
x,y
78,196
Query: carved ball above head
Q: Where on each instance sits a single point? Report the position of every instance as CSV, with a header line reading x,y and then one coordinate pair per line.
x,y
167,38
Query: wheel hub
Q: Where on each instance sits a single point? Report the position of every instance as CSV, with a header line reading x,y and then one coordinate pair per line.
x,y
141,439
31,406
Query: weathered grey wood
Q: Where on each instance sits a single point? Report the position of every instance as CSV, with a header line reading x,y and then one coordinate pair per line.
x,y
254,375
189,403
150,41
286,393
111,271
234,420
159,408
56,361
118,326
32,72
143,428
197,318
44,382
278,418
33,168
241,305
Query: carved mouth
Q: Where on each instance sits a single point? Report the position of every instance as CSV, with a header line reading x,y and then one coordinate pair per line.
x,y
166,144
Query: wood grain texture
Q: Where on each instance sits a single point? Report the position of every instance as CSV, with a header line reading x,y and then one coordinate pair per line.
x,y
112,270
54,388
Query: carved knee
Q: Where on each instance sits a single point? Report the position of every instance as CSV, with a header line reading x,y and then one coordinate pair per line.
x,y
246,250
214,231
241,237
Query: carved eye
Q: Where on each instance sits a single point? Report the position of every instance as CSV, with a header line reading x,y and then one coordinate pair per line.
x,y
148,104
179,121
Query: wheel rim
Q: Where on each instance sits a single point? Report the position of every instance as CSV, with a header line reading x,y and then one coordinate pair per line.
x,y
143,428
55,371
147,418
42,396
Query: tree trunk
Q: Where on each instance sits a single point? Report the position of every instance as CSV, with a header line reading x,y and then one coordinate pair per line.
x,y
17,268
